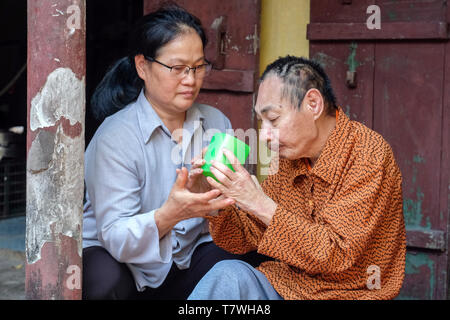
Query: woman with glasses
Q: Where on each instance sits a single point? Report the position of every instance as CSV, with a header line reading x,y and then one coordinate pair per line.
x,y
144,232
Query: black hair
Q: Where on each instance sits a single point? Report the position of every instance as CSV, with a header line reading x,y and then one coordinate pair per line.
x,y
298,75
121,85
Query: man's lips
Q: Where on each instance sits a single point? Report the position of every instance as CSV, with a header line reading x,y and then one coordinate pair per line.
x,y
274,146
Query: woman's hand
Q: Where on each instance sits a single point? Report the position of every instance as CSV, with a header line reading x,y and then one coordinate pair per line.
x,y
183,204
242,187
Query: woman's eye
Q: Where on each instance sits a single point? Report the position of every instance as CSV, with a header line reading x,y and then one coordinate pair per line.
x,y
179,69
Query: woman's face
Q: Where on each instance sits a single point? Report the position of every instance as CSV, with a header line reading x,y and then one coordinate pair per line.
x,y
165,90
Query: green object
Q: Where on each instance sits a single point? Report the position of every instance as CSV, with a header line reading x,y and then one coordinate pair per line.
x,y
214,152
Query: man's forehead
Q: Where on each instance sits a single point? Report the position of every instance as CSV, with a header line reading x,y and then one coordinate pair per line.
x,y
269,96
268,108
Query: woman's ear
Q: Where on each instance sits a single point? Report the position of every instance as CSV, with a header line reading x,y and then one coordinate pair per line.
x,y
140,62
314,102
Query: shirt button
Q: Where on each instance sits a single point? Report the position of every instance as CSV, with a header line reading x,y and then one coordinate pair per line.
x,y
311,203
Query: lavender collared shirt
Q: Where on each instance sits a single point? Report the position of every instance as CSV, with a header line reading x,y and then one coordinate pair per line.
x,y
130,168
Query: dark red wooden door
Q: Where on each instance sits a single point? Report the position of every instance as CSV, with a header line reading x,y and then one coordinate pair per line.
x,y
401,89
232,27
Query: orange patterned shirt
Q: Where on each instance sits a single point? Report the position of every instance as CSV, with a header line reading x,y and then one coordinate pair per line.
x,y
338,231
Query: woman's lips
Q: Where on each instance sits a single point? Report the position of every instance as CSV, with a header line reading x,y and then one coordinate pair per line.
x,y
187,94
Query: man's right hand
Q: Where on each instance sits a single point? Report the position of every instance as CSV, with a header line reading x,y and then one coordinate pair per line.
x,y
197,182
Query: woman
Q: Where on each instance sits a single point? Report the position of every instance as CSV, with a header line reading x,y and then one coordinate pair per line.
x,y
144,235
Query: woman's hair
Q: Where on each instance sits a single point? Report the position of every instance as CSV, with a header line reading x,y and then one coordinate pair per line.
x,y
121,84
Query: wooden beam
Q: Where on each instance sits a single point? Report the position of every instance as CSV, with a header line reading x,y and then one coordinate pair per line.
x,y
230,80
426,239
389,31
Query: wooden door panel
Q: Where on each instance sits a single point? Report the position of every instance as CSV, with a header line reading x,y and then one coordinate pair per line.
x,y
408,110
410,106
402,20
354,11
445,156
408,103
338,59
232,104
412,10
242,20
424,275
338,11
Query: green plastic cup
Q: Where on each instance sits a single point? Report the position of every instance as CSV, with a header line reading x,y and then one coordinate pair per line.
x,y
219,141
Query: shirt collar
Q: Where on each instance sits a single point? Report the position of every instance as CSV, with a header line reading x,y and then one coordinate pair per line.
x,y
332,154
149,120
295,168
193,118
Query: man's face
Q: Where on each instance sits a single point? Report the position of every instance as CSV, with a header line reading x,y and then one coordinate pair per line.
x,y
284,128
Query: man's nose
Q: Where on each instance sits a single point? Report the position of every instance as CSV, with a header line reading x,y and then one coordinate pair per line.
x,y
265,134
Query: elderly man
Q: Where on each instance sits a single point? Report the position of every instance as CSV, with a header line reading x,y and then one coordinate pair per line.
x,y
330,216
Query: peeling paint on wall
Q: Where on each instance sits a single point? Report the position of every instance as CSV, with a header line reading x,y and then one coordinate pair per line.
x,y
52,192
420,262
254,45
351,60
412,207
55,160
61,92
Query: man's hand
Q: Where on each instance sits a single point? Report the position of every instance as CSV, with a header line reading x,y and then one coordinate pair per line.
x,y
196,180
242,187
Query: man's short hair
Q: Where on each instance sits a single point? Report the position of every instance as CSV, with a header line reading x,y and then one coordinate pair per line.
x,y
298,75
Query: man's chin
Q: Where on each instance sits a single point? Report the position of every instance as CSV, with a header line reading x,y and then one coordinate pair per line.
x,y
285,154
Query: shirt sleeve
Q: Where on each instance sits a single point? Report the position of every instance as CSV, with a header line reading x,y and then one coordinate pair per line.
x,y
113,185
368,200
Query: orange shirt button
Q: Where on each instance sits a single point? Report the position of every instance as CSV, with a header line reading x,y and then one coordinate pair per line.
x,y
311,203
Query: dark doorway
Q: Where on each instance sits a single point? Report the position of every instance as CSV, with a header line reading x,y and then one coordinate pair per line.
x,y
13,106
108,27
108,24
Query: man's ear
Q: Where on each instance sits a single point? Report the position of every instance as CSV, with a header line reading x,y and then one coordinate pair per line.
x,y
140,62
314,103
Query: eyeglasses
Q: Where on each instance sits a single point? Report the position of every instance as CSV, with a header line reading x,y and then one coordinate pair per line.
x,y
182,70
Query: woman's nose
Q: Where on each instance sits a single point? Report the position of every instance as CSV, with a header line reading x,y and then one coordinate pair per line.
x,y
189,77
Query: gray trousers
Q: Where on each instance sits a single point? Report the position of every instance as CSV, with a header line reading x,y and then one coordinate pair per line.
x,y
234,280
